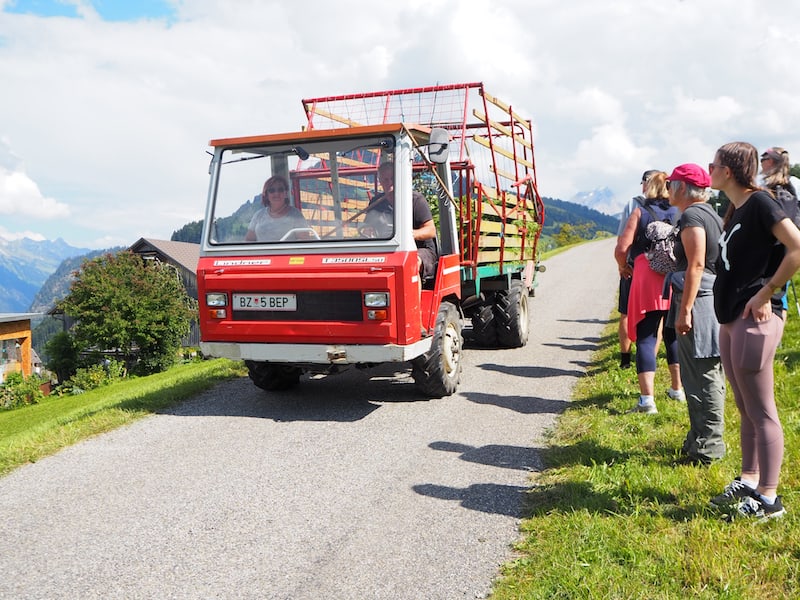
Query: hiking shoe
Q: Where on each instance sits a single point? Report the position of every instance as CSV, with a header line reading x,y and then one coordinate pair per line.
x,y
677,395
648,408
754,508
695,460
733,492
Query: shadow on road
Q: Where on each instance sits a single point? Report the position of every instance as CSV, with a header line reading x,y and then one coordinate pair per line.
x,y
489,498
526,405
346,397
495,455
531,371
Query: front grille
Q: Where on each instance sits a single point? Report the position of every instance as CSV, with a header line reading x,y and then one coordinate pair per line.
x,y
343,305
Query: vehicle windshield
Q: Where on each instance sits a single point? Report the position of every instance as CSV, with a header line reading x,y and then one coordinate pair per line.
x,y
322,191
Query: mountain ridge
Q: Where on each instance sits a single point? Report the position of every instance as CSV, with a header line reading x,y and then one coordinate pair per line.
x,y
25,264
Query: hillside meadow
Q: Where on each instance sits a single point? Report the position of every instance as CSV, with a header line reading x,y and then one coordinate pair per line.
x,y
613,516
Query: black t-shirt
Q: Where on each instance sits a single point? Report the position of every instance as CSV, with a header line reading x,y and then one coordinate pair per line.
x,y
421,213
746,260
703,216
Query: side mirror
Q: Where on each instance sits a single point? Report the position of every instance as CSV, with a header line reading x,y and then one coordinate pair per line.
x,y
439,145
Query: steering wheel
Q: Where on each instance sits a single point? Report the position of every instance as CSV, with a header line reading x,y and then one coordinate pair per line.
x,y
368,231
297,230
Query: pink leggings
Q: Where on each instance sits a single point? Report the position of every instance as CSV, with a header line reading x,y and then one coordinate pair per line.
x,y
747,350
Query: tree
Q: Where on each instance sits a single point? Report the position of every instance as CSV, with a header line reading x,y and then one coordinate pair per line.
x,y
136,307
572,234
191,232
62,355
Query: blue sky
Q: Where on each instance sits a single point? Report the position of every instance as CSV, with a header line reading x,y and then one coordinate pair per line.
x,y
105,116
109,10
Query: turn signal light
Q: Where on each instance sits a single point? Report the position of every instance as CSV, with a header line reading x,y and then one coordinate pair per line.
x,y
377,315
217,313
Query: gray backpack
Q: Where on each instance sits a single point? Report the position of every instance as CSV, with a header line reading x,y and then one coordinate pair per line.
x,y
661,236
661,253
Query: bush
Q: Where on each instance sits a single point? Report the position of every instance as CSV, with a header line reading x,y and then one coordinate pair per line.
x,y
94,376
17,390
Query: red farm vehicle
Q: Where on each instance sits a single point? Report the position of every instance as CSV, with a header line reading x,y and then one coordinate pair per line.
x,y
330,291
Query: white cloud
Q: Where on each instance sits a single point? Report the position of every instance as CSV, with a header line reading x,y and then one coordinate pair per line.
x,y
20,235
19,195
111,119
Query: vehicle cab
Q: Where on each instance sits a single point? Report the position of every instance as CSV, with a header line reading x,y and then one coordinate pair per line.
x,y
334,278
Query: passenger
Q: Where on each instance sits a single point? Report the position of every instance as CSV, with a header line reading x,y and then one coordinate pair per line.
x,y
647,307
278,216
625,273
748,309
775,168
691,313
380,217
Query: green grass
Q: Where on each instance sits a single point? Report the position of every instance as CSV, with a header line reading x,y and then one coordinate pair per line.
x,y
611,517
32,432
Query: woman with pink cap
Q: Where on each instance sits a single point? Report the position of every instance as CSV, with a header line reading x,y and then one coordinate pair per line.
x,y
692,314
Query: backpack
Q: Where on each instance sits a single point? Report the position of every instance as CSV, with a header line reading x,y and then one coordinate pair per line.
x,y
661,235
788,203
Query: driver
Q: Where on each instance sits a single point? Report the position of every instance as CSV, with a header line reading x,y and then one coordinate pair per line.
x,y
380,217
278,216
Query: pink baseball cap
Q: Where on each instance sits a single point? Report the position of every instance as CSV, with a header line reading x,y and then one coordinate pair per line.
x,y
691,173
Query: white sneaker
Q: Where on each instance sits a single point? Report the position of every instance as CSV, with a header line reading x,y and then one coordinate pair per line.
x,y
677,395
648,408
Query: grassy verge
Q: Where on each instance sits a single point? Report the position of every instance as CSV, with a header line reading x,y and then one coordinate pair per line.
x,y
611,517
30,433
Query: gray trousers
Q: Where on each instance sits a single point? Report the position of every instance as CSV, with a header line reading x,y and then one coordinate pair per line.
x,y
704,384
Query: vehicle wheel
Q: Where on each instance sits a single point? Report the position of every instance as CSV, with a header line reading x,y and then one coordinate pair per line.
x,y
484,327
438,371
511,316
273,377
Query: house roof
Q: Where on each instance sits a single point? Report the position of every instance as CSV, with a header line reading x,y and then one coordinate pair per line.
x,y
183,253
12,317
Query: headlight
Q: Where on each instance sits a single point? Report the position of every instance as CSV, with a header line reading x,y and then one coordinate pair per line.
x,y
216,299
376,299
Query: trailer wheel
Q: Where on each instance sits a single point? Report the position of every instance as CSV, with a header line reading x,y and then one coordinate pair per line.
x,y
511,316
438,371
484,327
273,377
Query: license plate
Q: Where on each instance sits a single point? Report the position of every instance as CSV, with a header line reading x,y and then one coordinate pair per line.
x,y
281,302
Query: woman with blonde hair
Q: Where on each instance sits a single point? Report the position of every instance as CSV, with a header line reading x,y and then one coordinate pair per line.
x,y
747,304
647,308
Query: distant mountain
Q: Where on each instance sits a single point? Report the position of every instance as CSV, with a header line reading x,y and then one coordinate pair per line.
x,y
25,265
234,225
56,286
602,200
560,212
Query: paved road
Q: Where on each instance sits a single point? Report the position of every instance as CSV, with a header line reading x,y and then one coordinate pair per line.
x,y
347,488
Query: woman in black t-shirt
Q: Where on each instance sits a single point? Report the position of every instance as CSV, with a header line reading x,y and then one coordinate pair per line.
x,y
747,304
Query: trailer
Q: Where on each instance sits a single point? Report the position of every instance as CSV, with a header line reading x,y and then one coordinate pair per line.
x,y
322,287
